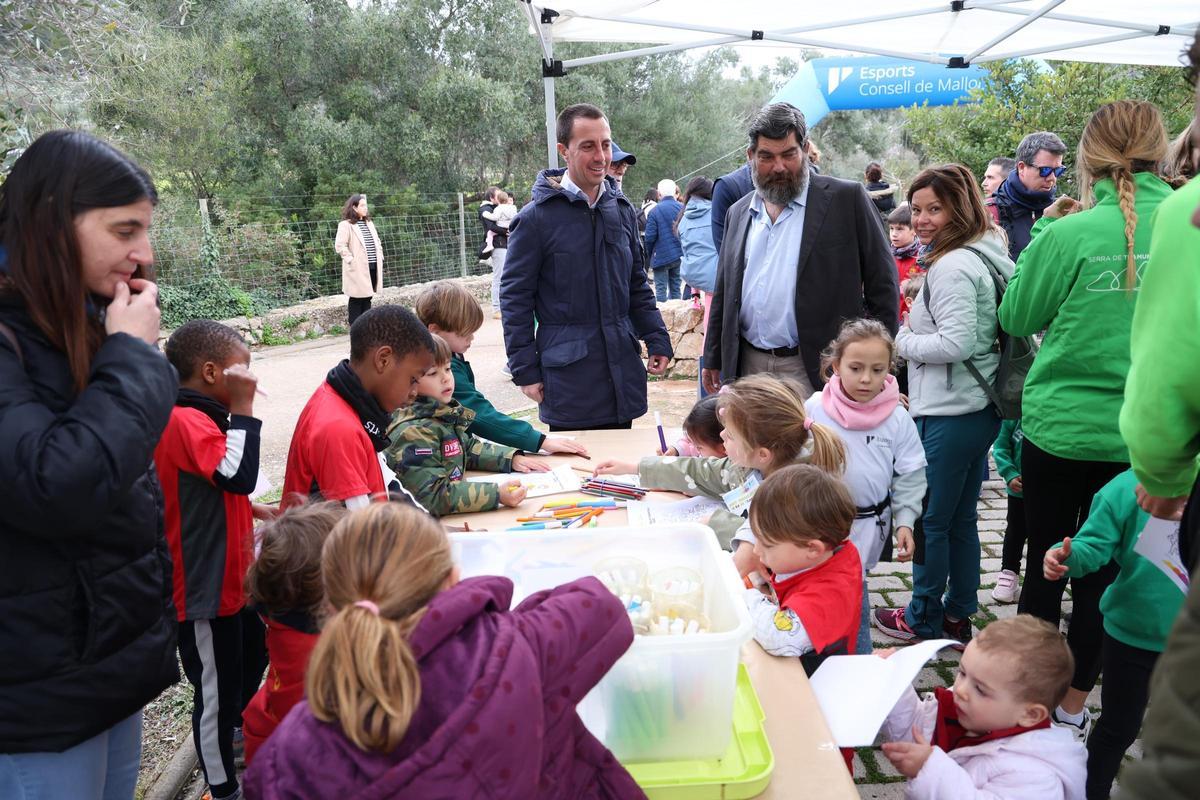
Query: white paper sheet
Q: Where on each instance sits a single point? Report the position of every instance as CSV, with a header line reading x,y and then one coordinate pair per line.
x,y
261,486
856,693
694,509
1159,543
537,484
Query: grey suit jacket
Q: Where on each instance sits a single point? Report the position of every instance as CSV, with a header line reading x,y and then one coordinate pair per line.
x,y
845,270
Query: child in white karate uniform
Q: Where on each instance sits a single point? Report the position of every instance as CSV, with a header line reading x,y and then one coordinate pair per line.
x,y
885,462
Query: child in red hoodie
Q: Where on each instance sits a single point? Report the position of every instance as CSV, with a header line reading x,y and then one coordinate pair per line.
x,y
904,249
801,518
284,586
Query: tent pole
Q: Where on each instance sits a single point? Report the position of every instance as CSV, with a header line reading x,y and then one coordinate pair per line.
x,y
1050,48
1033,15
548,87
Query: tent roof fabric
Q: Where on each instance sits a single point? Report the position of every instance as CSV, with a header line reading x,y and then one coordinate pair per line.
x,y
976,31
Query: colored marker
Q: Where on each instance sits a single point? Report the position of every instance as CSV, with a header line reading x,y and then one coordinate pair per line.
x,y
658,424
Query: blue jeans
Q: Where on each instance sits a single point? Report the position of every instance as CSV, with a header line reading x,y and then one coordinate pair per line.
x,y
666,281
956,449
104,767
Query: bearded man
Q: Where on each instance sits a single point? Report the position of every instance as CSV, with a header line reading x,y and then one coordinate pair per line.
x,y
801,254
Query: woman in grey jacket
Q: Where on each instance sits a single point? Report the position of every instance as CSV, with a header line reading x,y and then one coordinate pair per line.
x,y
955,321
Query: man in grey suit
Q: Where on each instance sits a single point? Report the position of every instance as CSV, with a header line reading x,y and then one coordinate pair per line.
x,y
801,254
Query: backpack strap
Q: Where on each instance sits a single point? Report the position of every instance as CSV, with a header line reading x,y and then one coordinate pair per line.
x,y
8,334
988,389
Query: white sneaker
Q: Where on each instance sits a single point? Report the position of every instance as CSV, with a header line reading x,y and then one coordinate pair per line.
x,y
1006,590
1080,731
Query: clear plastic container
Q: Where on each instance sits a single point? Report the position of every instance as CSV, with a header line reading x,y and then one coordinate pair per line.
x,y
669,698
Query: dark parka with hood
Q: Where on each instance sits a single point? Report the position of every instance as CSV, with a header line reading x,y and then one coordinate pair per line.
x,y
87,625
579,272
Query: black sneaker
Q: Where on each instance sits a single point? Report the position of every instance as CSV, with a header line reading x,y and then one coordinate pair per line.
x,y
960,632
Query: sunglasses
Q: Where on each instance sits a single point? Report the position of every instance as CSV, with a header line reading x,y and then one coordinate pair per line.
x,y
1046,172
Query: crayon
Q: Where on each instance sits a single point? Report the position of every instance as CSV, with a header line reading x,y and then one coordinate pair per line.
x,y
658,424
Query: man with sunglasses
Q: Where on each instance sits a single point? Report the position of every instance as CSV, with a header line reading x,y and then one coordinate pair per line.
x,y
1029,189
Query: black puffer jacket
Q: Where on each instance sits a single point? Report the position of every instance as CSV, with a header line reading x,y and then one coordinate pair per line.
x,y
87,626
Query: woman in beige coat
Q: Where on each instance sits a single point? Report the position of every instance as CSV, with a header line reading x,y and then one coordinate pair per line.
x,y
361,250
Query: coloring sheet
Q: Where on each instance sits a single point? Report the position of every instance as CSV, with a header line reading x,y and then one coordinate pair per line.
x,y
695,509
1159,542
537,484
856,693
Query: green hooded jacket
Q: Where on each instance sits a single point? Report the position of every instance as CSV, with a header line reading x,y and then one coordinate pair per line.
x,y
1070,280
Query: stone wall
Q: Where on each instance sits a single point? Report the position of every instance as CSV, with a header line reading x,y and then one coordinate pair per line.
x,y
324,315
684,323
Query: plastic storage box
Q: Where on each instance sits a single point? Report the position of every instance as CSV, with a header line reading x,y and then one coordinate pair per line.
x,y
669,698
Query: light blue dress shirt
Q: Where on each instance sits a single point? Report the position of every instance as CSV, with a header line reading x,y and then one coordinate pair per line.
x,y
569,185
768,313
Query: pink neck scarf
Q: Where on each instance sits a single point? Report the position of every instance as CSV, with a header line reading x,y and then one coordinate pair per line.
x,y
853,415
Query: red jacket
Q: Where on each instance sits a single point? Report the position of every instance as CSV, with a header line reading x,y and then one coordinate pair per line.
x,y
289,649
828,601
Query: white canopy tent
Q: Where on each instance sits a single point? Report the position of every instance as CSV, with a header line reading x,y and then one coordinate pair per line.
x,y
955,34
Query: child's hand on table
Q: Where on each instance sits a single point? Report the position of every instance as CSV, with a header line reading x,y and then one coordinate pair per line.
x,y
614,467
670,451
526,463
909,757
511,494
905,545
560,444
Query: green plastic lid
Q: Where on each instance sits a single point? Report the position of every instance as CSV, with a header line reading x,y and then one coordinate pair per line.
x,y
743,772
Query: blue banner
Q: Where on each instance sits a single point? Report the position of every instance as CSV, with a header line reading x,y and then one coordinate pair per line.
x,y
850,83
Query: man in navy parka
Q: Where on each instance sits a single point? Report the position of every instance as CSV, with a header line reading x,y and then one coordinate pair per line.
x,y
575,267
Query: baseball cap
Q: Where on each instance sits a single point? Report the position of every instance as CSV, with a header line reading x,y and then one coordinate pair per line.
x,y
619,155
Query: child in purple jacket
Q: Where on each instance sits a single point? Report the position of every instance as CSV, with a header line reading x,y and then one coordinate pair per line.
x,y
422,686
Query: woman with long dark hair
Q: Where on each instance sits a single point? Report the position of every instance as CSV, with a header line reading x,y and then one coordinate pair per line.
x,y
87,627
952,324
358,243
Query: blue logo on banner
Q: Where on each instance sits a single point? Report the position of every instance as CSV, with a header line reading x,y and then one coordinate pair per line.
x,y
847,83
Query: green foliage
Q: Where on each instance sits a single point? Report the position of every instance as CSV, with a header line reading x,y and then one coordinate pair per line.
x,y
271,338
210,297
1021,97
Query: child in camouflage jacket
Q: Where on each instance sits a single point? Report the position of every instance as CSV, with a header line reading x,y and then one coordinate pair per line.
x,y
431,450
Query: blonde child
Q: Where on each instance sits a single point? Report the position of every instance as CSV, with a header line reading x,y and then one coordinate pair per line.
x,y
885,462
990,736
801,517
765,429
452,312
284,587
1139,608
701,432
431,449
425,686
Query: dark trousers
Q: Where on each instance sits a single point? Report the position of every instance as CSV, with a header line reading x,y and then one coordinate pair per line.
x,y
1058,495
1123,697
223,681
615,426
1014,536
360,305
